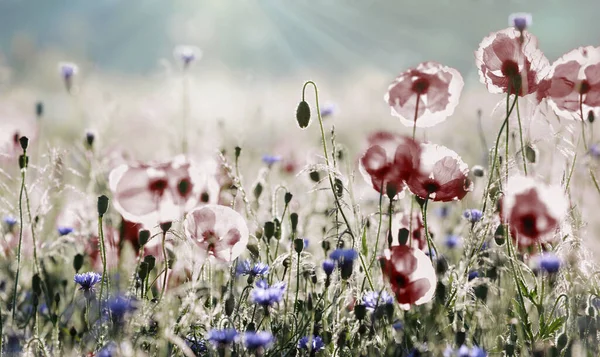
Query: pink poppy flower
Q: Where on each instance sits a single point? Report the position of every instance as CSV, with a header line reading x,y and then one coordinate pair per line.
x,y
154,193
572,87
426,95
411,275
442,176
390,160
403,221
504,57
218,231
532,209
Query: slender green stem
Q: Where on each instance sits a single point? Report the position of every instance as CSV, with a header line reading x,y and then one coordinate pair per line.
x,y
427,236
103,252
297,282
14,300
521,136
166,259
378,227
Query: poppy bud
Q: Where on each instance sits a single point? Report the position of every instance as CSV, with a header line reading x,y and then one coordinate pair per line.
x,y
257,190
440,292
165,226
24,141
238,151
403,234
77,262
72,332
151,261
561,341
143,236
391,190
530,153
23,161
460,338
315,176
89,139
143,271
303,114
478,171
298,245
481,291
269,230
39,109
441,265
229,305
499,235
326,246
294,220
102,205
287,198
36,284
591,116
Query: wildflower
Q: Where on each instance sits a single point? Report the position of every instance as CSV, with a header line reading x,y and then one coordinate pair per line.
x,y
10,221
258,340
402,221
473,274
254,270
410,273
328,266
426,95
398,325
532,209
463,351
67,70
266,295
222,338
521,21
549,263
153,193
63,231
443,175
477,352
109,350
328,109
452,241
594,151
312,343
86,281
187,54
389,161
271,159
344,259
372,299
120,305
509,61
197,345
572,88
218,231
443,211
473,215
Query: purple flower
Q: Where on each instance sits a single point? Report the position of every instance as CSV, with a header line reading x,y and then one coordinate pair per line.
x,y
246,268
443,211
313,343
10,221
372,299
473,215
594,151
397,325
266,295
197,345
86,281
473,274
342,256
271,159
187,54
222,338
328,266
452,241
520,21
63,230
67,70
328,109
477,352
120,305
256,340
463,351
109,350
549,263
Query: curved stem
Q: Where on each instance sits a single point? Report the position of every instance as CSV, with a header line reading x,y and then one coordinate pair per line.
x,y
14,300
427,236
166,258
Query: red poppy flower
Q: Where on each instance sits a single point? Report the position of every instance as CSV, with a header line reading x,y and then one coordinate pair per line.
x,y
219,231
390,160
507,61
410,273
532,209
426,95
573,84
403,221
154,193
443,176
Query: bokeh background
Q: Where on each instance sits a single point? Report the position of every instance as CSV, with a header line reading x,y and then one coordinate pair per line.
x,y
256,56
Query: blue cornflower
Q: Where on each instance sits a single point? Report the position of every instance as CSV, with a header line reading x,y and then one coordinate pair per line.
x,y
477,352
328,266
109,350
594,151
197,345
67,69
246,268
266,295
397,325
316,343
120,305
452,241
520,21
473,215
328,109
64,230
86,281
463,351
10,221
271,159
373,299
549,263
256,340
306,242
443,211
222,338
345,259
473,274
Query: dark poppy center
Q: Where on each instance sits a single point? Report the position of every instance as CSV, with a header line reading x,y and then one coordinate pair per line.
x,y
400,280
158,186
510,68
204,197
184,187
528,225
431,186
584,87
420,86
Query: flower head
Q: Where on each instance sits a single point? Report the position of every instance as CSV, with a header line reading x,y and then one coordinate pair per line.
x,y
86,281
219,231
258,340
373,299
509,61
410,273
187,54
266,295
222,338
443,176
67,69
344,259
270,160
328,266
521,21
473,274
548,262
312,343
197,345
426,95
452,240
121,305
472,215
10,221
63,231
109,350
246,268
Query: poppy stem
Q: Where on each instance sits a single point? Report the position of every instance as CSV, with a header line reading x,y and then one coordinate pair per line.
x,y
429,241
103,252
331,184
14,300
164,251
521,137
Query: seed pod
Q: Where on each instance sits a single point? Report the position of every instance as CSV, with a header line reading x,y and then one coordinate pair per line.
x,y
294,220
77,262
229,305
36,284
499,235
165,226
287,198
102,205
298,245
403,236
269,230
303,115
143,236
257,190
591,116
315,176
530,153
24,141
151,261
39,109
